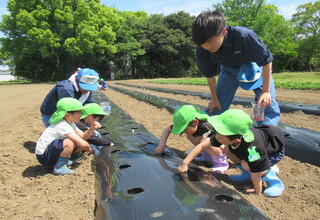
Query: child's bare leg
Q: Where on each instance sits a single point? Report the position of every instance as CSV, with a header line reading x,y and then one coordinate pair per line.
x,y
68,148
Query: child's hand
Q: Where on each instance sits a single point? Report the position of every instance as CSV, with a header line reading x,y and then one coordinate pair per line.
x,y
158,150
96,125
249,190
183,168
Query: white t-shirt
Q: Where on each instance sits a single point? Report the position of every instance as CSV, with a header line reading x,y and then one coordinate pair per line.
x,y
57,131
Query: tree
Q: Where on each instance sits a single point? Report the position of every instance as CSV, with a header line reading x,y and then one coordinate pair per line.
x,y
307,20
128,42
168,41
279,36
240,12
47,39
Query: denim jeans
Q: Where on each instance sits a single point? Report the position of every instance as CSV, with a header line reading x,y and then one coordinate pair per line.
x,y
227,86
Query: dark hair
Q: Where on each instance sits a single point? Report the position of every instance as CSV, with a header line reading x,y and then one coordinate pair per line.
x,y
208,24
72,112
232,137
96,116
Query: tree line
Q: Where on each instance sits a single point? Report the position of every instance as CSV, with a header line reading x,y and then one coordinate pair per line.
x,y
46,40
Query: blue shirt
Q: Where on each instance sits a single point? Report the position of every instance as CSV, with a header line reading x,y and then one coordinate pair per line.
x,y
240,45
63,89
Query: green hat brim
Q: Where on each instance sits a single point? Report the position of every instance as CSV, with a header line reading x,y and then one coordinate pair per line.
x,y
58,115
201,115
221,128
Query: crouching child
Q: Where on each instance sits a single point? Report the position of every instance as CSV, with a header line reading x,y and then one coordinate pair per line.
x,y
62,138
91,115
253,150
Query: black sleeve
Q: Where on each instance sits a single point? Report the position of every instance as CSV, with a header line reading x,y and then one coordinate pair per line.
x,y
214,142
82,126
99,141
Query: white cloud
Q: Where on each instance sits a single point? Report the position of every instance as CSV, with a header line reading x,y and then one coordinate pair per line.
x,y
169,7
288,10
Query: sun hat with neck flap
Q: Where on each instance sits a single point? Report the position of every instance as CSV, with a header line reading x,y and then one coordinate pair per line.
x,y
94,109
184,115
233,122
63,106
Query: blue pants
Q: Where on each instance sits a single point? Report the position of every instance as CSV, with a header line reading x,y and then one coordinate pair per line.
x,y
45,120
227,86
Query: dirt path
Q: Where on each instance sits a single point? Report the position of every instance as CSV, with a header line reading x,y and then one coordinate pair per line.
x,y
29,191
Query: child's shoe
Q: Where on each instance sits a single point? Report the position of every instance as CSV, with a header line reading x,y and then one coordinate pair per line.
x,y
275,168
61,168
245,176
220,164
275,186
77,156
71,163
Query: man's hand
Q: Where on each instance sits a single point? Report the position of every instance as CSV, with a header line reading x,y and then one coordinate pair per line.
x,y
265,98
213,104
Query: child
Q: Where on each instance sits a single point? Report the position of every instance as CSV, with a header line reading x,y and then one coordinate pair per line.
x,y
62,137
254,150
188,120
91,116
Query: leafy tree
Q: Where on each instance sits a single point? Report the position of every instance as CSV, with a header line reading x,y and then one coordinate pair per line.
x,y
240,12
279,36
48,39
168,41
273,29
128,42
307,20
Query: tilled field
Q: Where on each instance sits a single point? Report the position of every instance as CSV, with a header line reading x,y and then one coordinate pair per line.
x,y
30,191
299,178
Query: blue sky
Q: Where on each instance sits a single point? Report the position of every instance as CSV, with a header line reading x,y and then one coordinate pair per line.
x,y
286,7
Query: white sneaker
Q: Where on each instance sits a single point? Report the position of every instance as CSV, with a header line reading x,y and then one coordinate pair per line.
x,y
275,169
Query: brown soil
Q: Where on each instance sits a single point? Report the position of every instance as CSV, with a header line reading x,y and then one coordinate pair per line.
x,y
30,191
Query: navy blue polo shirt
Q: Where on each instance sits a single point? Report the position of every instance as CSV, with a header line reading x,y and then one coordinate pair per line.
x,y
240,45
63,89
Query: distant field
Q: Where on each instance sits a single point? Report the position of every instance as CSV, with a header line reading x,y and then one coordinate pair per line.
x,y
286,80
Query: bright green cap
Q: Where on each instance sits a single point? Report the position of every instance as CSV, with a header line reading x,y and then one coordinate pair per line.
x,y
233,122
184,115
92,108
63,106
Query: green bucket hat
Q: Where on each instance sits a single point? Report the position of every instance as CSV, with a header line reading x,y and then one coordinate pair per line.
x,y
63,106
184,115
233,122
92,108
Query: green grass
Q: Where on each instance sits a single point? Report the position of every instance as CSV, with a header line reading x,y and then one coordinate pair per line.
x,y
285,80
13,82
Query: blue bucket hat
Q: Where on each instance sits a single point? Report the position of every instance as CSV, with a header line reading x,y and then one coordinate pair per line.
x,y
88,79
249,76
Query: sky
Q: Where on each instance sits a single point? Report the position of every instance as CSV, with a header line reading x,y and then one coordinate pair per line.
x,y
286,7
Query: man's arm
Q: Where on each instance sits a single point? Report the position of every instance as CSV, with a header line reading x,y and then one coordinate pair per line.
x,y
266,95
214,102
